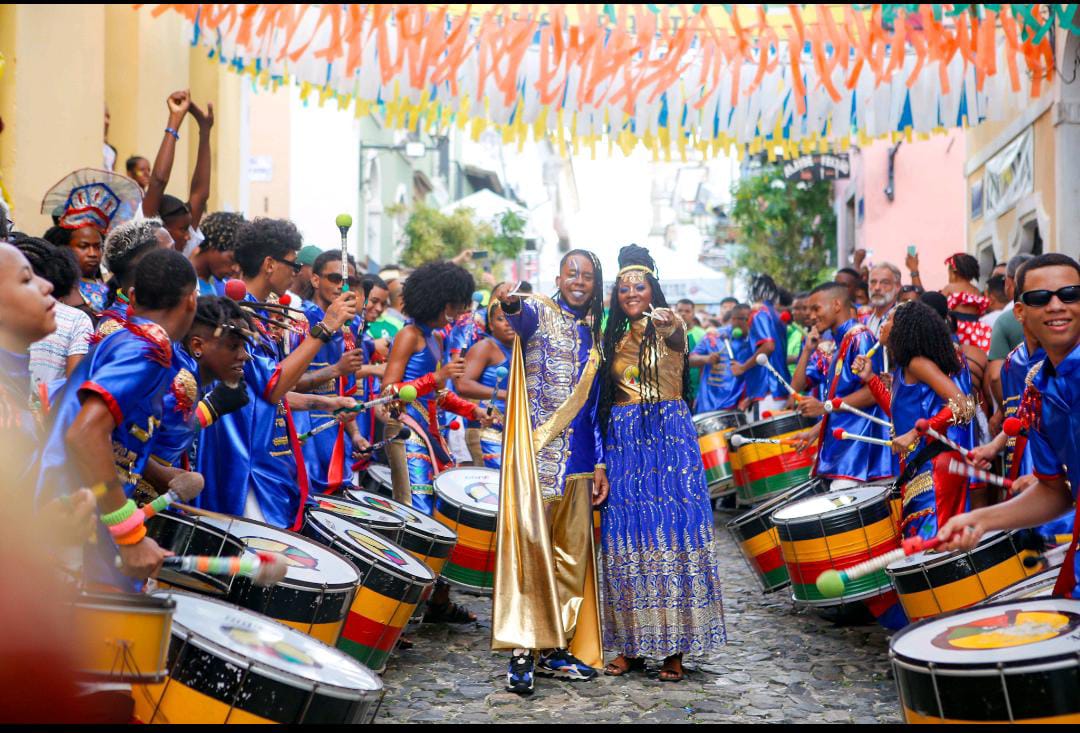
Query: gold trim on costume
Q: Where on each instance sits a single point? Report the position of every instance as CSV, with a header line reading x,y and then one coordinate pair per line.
x,y
634,273
919,485
963,409
563,416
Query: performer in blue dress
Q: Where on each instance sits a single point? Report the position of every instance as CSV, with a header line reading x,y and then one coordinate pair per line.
x,y
930,381
661,585
1049,287
719,388
842,463
481,380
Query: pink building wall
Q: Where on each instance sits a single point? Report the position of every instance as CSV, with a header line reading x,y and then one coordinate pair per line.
x,y
929,206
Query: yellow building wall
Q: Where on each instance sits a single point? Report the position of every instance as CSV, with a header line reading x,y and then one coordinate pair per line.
x,y
270,138
52,100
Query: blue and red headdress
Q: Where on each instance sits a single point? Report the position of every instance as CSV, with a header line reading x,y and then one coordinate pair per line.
x,y
95,198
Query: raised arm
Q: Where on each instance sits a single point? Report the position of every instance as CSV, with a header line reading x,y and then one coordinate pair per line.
x,y
178,103
199,193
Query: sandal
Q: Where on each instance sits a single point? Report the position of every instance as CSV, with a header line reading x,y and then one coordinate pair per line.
x,y
630,664
668,673
448,613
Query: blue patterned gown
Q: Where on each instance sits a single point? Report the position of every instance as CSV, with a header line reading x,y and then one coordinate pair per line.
x,y
661,586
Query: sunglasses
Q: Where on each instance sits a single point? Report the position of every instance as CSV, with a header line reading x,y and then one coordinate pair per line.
x,y
296,266
334,278
1041,298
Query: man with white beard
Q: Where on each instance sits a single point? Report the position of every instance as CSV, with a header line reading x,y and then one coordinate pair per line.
x,y
884,287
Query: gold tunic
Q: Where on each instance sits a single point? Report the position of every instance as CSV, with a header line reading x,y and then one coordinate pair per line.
x,y
668,365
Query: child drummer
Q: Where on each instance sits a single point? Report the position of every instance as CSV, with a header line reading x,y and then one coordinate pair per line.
x,y
1049,307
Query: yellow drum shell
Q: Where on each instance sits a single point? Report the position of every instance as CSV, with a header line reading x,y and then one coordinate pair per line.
x,y
124,637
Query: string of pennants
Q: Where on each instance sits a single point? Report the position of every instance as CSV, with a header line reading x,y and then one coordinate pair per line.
x,y
787,79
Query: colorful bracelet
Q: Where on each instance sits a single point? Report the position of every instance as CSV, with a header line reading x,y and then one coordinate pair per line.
x,y
120,515
136,519
132,538
173,132
205,415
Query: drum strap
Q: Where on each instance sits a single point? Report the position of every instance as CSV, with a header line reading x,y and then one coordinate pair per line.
x,y
926,454
1066,580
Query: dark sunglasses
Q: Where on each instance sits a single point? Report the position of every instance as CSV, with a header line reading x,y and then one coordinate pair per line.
x,y
296,266
334,278
1041,298
911,289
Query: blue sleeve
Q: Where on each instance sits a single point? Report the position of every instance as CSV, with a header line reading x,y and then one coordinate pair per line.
x,y
526,320
1043,458
760,330
123,376
261,375
814,375
702,347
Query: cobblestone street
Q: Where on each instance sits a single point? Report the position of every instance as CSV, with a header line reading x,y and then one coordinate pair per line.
x,y
780,665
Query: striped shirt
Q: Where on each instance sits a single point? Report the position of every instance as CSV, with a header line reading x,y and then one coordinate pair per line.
x,y
48,357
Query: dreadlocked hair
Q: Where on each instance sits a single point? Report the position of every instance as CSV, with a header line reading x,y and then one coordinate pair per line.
x,y
648,358
763,289
596,303
918,330
217,312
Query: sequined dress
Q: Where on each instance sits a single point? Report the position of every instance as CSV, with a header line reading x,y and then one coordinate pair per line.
x,y
661,586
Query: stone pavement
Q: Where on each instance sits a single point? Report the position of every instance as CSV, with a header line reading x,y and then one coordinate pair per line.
x,y
781,665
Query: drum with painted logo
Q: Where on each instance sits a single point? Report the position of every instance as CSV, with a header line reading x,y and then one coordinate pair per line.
x,y
758,540
319,584
425,539
392,584
1015,661
467,501
712,430
190,535
379,521
765,470
230,665
122,637
932,583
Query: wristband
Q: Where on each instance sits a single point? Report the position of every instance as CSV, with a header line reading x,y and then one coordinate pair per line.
x,y
601,465
205,414
128,525
321,332
914,274
173,132
132,538
113,518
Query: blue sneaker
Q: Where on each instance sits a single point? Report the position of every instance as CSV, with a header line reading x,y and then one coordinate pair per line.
x,y
561,663
519,678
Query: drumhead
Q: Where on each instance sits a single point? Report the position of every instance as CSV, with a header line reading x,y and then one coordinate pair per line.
x,y
367,544
813,486
381,474
831,504
251,638
366,515
308,562
1009,633
714,422
415,521
475,488
932,558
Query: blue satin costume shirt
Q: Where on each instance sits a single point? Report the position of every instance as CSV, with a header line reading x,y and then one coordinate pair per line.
x,y
718,388
765,325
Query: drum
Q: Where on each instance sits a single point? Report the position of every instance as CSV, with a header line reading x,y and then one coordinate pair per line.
x,y
932,583
766,470
230,665
1040,585
467,501
393,584
423,537
123,637
712,429
378,521
377,480
318,588
188,535
836,531
1008,662
758,540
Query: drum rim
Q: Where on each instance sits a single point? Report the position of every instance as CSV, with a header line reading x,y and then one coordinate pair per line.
x,y
480,509
215,585
131,602
359,505
992,667
192,636
939,559
752,513
776,418
378,475
425,519
836,511
395,572
1048,576
296,583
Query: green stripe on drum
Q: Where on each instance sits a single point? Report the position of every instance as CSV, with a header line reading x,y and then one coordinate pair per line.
x,y
866,584
366,655
776,578
471,578
714,475
763,489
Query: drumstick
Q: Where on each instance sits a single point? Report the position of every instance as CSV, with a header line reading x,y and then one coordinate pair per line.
x,y
402,434
873,350
763,360
727,345
196,511
500,374
264,568
737,441
832,583
841,434
959,468
838,404
407,394
922,425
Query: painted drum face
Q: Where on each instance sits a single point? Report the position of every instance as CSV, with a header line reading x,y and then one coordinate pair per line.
x,y
1012,661
394,583
387,524
467,501
319,584
231,665
763,470
424,538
